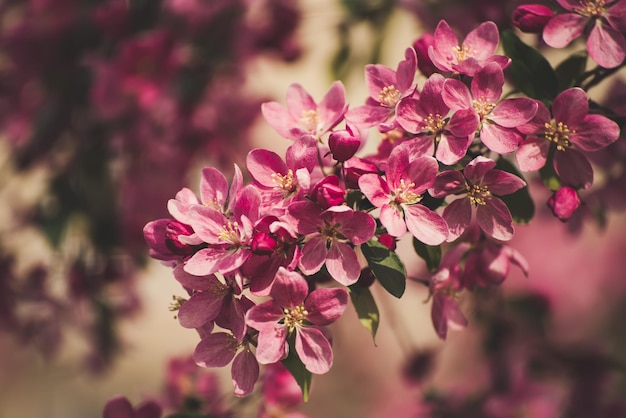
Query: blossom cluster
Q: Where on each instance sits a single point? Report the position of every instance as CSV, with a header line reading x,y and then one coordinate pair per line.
x,y
269,264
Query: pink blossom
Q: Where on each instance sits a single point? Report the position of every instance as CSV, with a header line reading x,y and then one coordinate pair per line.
x,y
294,310
281,393
605,40
498,119
386,88
327,235
482,183
468,57
398,196
120,407
572,129
303,115
427,116
490,263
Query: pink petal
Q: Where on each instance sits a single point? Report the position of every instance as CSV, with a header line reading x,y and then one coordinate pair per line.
x,y
571,107
215,350
494,218
149,409
392,219
377,77
333,106
289,289
265,316
448,182
483,40
299,101
452,149
458,216
606,46
272,344
407,115
477,168
532,154
207,223
375,189
445,41
445,313
595,133
358,227
190,281
302,153
244,373
342,263
422,172
314,253
502,183
278,118
306,217
263,165
202,307
499,139
488,82
406,70
314,350
563,29
213,187
247,205
573,168
425,225
463,123
203,263
431,102
456,95
367,116
511,113
325,306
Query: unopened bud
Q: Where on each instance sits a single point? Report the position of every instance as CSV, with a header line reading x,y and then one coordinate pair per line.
x,y
531,18
564,203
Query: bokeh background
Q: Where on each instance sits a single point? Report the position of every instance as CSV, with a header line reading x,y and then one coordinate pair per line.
x,y
107,108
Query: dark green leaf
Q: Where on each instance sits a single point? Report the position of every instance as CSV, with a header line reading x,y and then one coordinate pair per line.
x,y
569,72
386,266
530,71
520,203
430,253
366,308
298,371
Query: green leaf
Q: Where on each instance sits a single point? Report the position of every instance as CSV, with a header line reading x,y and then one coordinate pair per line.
x,y
430,253
366,308
386,266
570,71
530,71
298,370
520,203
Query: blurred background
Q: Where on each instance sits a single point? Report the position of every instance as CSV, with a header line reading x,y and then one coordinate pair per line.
x,y
109,107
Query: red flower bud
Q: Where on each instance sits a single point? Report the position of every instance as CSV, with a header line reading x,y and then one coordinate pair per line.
x,y
328,192
531,18
263,244
564,203
343,145
424,63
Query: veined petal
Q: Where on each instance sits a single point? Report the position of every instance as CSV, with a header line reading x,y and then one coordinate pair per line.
x,y
499,139
477,168
302,154
375,189
278,118
606,46
244,373
488,82
494,218
263,165
408,116
342,263
563,29
314,350
573,168
392,219
483,40
201,308
444,42
207,223
325,306
595,133
425,225
333,106
215,350
314,254
289,289
264,316
452,149
204,262
458,216
272,344
511,113
306,217
193,282
299,101
571,106
502,183
405,73
463,123
448,182
377,77
213,187
532,154
422,172
456,95
358,227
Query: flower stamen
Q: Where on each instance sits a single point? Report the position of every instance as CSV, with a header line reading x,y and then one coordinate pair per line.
x,y
478,195
310,119
592,8
389,96
295,317
559,133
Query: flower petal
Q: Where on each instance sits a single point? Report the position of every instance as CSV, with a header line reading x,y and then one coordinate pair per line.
x,y
606,46
325,306
342,263
573,168
494,218
458,216
215,350
289,289
563,29
314,350
244,373
314,253
425,225
202,307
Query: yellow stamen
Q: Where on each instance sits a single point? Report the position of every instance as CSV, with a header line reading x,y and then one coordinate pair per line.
x,y
295,317
559,133
478,195
389,96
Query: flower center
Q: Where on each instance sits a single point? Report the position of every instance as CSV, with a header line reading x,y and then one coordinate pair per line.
x,y
482,106
218,289
478,195
433,123
559,134
405,194
463,52
329,232
285,183
389,96
176,304
295,317
310,119
230,233
591,8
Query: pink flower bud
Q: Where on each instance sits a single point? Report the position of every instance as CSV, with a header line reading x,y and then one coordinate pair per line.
x,y
173,230
328,192
263,244
564,203
531,18
388,241
424,62
343,145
